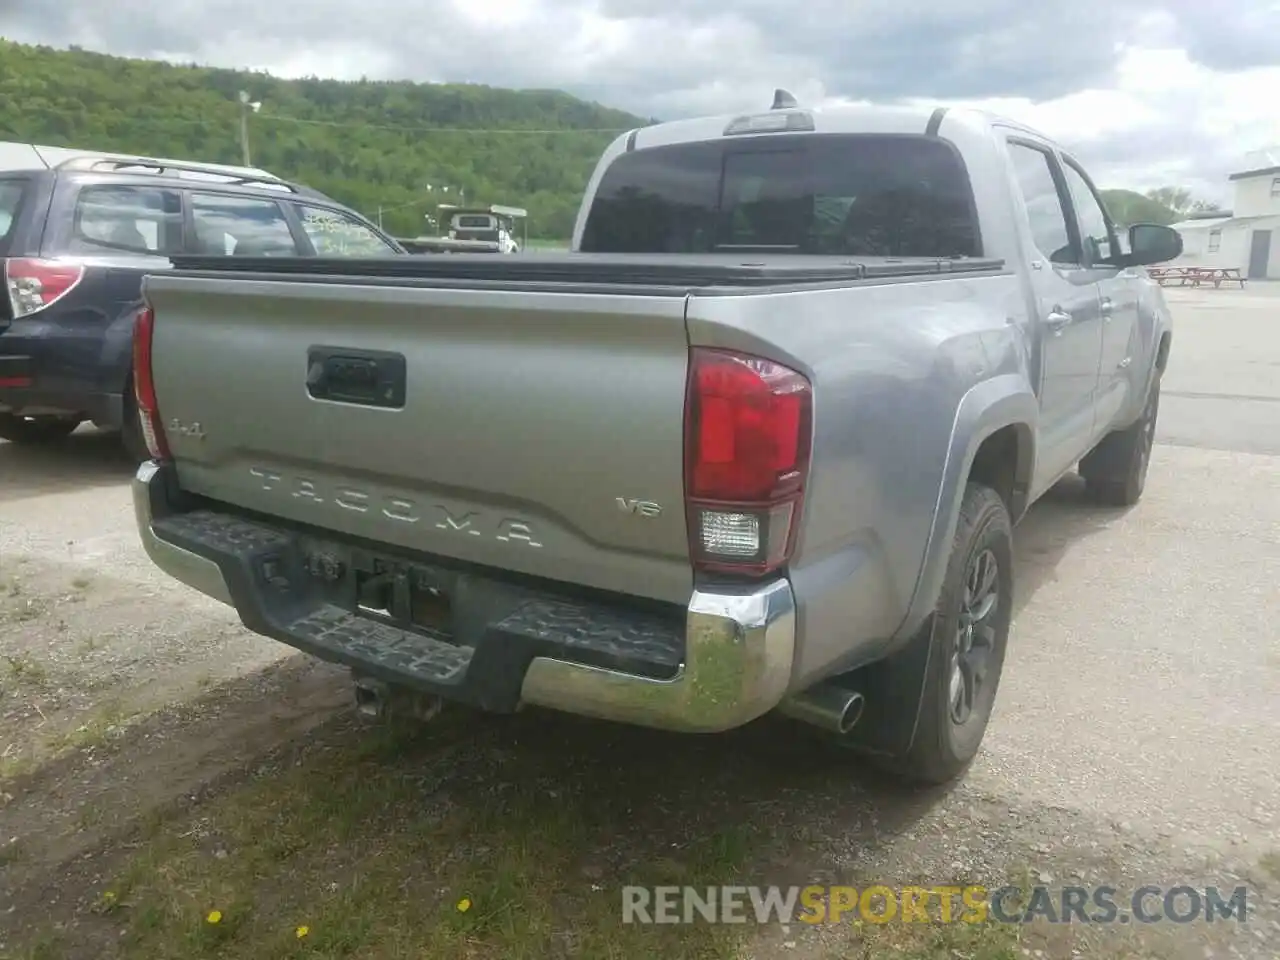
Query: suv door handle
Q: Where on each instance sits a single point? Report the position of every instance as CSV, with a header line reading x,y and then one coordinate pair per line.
x,y
1057,321
1106,309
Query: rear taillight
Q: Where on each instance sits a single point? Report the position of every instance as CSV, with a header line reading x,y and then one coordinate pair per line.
x,y
747,441
144,385
33,284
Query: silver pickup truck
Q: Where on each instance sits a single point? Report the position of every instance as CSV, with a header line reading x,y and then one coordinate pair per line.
x,y
757,443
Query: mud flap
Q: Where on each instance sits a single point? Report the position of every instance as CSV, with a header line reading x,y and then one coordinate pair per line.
x,y
893,689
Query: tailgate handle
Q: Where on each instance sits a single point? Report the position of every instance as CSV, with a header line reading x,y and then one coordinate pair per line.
x,y
371,378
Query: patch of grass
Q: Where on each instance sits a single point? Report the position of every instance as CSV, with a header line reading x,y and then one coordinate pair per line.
x,y
90,815
13,767
24,611
49,946
99,727
23,669
976,941
465,841
361,848
11,851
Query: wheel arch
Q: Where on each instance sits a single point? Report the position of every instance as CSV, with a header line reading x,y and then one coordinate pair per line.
x,y
993,441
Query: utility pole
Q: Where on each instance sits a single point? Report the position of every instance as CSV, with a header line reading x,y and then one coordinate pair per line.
x,y
246,106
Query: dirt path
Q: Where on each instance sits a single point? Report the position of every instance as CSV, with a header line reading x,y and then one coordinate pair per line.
x,y
76,806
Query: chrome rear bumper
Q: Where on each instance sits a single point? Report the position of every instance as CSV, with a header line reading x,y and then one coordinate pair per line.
x,y
739,644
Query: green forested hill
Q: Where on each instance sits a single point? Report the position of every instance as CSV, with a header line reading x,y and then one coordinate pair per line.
x,y
368,144
1126,207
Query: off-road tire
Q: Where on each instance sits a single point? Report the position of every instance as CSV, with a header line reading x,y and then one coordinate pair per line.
x,y
1115,471
942,749
35,431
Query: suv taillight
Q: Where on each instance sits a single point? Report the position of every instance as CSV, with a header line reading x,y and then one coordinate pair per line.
x,y
144,385
34,284
747,444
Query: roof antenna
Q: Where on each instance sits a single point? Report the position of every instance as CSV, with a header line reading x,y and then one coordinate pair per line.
x,y
783,100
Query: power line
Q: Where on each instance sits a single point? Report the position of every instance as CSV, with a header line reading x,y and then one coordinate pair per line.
x,y
231,118
414,129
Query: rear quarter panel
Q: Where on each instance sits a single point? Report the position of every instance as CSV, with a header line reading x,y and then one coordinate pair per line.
x,y
891,367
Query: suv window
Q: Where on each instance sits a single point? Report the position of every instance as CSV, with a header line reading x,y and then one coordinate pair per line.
x,y
1095,231
243,226
11,192
1048,218
121,217
335,234
846,194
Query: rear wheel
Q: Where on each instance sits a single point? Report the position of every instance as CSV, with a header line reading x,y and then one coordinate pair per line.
x,y
967,636
1115,471
36,430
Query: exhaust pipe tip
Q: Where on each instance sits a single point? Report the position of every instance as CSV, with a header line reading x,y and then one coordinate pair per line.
x,y
827,706
852,713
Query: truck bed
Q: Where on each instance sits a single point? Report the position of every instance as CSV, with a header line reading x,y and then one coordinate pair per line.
x,y
738,269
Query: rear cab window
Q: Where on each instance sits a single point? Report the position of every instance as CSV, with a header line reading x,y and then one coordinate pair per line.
x,y
123,218
336,234
873,195
231,225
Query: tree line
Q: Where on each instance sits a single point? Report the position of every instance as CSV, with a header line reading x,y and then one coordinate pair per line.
x,y
393,145
1163,205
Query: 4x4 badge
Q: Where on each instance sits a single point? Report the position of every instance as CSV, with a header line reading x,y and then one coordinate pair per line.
x,y
192,430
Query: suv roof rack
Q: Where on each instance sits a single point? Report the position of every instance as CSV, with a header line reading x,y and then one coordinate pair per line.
x,y
239,176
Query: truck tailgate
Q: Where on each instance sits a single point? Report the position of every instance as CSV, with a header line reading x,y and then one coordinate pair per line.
x,y
533,431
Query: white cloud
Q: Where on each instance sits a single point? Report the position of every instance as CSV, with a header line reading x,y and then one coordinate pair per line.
x,y
1149,92
1182,122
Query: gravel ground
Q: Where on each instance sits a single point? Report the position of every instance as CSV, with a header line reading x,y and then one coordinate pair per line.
x,y
90,632
1135,736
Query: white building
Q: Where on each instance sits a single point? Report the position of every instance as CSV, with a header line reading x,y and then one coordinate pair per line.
x,y
1247,236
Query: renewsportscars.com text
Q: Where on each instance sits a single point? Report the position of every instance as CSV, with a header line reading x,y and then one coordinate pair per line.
x,y
915,904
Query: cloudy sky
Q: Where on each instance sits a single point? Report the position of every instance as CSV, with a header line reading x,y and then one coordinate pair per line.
x,y
1148,92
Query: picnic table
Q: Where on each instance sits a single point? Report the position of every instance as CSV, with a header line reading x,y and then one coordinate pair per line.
x,y
1195,276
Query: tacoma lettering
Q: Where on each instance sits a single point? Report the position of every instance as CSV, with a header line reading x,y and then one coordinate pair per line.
x,y
475,523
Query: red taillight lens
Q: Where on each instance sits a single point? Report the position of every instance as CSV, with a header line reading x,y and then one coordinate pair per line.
x,y
144,385
748,423
33,284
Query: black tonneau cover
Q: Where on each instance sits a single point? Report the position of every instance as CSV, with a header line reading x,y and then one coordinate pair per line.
x,y
698,270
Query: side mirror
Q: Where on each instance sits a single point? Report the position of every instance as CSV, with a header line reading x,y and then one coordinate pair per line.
x,y
1152,243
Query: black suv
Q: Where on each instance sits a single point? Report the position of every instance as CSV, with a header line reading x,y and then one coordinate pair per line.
x,y
76,239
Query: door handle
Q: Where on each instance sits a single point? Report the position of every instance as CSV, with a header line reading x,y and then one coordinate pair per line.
x,y
1057,321
1106,309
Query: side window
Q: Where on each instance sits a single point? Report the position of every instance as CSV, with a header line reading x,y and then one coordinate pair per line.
x,y
11,192
1095,231
240,226
119,217
334,234
1044,204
